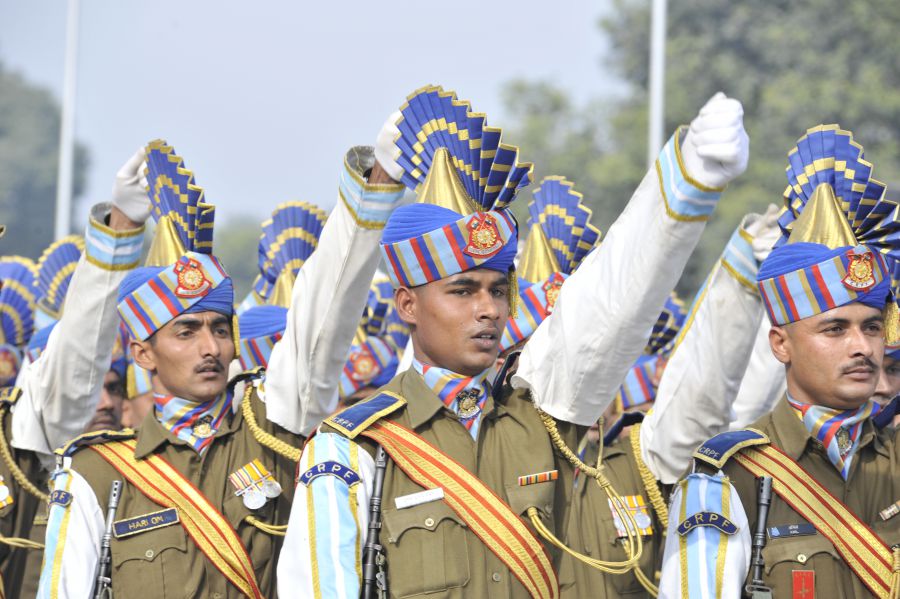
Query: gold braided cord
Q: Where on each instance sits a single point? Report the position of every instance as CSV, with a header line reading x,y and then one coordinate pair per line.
x,y
276,530
262,437
14,469
20,543
650,484
634,544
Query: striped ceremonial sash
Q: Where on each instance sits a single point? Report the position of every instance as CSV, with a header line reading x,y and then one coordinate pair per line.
x,y
866,554
489,517
162,484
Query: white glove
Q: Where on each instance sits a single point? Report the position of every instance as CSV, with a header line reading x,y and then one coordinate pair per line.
x,y
130,189
386,151
764,230
716,148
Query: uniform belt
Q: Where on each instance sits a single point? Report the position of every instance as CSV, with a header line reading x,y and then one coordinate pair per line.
x,y
867,555
502,531
211,532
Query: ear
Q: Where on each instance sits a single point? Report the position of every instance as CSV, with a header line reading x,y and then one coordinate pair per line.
x,y
142,352
780,342
405,301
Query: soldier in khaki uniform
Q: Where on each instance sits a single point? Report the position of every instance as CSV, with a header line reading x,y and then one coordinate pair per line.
x,y
830,529
208,478
475,491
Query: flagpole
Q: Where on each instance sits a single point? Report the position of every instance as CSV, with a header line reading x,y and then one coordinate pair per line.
x,y
657,84
62,225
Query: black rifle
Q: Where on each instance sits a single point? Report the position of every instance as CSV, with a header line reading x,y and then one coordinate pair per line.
x,y
757,588
373,553
103,583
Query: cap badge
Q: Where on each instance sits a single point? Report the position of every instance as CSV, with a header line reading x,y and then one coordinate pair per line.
x,y
9,364
484,237
192,281
362,365
860,275
551,290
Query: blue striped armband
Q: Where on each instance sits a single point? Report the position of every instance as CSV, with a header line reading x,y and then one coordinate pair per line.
x,y
685,198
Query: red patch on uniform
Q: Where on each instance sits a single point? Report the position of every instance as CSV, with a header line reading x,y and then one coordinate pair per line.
x,y
9,365
192,280
551,290
484,237
803,584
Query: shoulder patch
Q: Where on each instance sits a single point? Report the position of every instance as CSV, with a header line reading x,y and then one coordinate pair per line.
x,y
330,468
720,448
9,396
358,417
713,519
93,438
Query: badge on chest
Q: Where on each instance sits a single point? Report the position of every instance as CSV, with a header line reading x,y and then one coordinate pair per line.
x,y
146,522
255,484
637,508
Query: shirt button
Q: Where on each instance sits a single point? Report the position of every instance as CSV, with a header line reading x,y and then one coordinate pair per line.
x,y
148,554
802,558
495,577
429,522
217,595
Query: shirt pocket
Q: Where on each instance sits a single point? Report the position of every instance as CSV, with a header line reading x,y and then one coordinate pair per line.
x,y
809,552
426,549
152,564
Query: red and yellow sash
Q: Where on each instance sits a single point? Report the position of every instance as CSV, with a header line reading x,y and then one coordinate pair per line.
x,y
868,556
209,529
489,517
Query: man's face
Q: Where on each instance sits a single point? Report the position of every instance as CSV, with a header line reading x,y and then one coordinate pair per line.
x,y
108,415
833,359
189,356
134,409
889,382
456,323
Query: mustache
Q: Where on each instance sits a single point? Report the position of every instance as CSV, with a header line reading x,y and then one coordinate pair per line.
x,y
860,363
210,364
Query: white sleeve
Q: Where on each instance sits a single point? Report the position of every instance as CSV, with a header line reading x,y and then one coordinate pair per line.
x,y
61,389
322,551
701,379
327,303
72,544
763,385
703,561
578,357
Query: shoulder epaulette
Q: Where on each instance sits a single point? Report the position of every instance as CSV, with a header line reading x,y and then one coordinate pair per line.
x,y
720,448
9,396
360,416
93,438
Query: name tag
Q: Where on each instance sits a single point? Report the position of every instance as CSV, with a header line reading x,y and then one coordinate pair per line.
x,y
419,498
717,521
139,524
330,468
791,530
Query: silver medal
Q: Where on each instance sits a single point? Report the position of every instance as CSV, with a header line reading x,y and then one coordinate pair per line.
x,y
253,498
271,488
642,520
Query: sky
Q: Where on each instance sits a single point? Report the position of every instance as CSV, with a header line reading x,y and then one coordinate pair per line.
x,y
262,99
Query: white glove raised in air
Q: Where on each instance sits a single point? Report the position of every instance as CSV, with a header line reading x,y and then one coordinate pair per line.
x,y
130,189
716,147
764,230
386,151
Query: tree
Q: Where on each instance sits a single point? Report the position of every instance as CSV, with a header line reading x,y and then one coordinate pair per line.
x,y
235,243
29,138
794,65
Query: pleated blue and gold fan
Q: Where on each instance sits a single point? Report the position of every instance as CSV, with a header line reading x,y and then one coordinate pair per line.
x,y
55,269
184,220
18,276
433,123
667,326
288,239
560,235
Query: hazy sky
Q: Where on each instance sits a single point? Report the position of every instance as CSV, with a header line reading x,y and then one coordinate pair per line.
x,y
263,98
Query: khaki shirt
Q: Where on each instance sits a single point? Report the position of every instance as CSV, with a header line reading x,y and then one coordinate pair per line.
x,y
592,530
165,562
873,484
21,567
430,550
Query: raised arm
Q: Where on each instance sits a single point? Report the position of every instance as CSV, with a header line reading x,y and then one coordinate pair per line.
x,y
577,358
701,380
328,297
61,389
